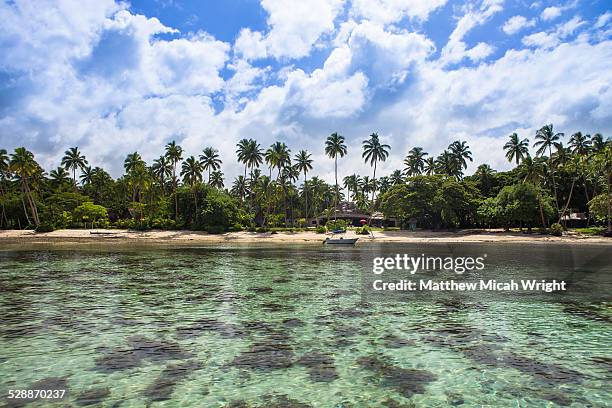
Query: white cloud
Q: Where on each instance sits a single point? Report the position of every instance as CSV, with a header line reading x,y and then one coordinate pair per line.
x,y
554,37
294,28
456,49
516,24
387,55
391,11
111,85
550,13
603,19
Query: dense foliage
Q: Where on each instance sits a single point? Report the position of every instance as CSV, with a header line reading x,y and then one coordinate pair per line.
x,y
275,190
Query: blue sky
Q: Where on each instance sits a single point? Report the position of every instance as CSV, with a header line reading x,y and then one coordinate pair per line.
x,y
115,77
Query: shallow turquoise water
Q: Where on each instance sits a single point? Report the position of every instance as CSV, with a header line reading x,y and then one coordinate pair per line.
x,y
292,327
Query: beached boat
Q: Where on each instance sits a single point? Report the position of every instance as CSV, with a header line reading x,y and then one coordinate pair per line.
x,y
340,241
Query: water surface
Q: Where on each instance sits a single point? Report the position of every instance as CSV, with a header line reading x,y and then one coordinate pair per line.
x,y
292,327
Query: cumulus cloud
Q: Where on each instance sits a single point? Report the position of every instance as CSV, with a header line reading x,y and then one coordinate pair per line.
x,y
391,11
555,36
517,23
456,49
294,28
550,13
100,76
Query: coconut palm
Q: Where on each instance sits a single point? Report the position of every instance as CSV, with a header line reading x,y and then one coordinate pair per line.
x,y
73,160
460,152
546,139
429,166
396,177
136,170
25,169
60,177
446,163
216,179
534,170
238,187
303,163
580,144
516,149
598,142
210,160
373,152
174,153
289,175
334,147
161,169
415,161
191,172
485,175
86,175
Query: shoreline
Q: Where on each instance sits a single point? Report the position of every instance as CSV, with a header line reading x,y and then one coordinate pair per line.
x,y
123,237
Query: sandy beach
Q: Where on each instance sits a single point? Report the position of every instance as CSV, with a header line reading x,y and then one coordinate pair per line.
x,y
190,237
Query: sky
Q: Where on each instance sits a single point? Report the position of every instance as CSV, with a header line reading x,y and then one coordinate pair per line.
x,y
117,77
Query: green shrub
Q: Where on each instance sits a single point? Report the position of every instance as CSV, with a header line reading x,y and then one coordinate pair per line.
x,y
336,225
44,228
365,230
320,229
261,229
556,229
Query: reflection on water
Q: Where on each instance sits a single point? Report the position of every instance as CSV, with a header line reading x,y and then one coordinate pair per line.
x,y
270,327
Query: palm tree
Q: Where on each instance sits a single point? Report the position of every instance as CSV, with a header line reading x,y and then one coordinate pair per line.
x,y
516,149
73,159
460,152
546,139
446,163
238,187
580,144
25,169
415,161
60,177
485,175
396,178
174,153
598,142
351,183
373,152
135,168
191,172
534,171
303,163
242,148
86,175
289,175
216,179
210,160
334,147
161,169
429,166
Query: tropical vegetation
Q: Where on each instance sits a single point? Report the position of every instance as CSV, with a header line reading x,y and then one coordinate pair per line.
x,y
276,189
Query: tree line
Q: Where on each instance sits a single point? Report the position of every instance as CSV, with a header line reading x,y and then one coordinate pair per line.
x,y
549,180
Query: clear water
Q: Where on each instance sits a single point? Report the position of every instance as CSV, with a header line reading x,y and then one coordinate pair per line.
x,y
288,327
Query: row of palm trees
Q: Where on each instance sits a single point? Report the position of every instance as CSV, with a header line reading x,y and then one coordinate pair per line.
x,y
256,190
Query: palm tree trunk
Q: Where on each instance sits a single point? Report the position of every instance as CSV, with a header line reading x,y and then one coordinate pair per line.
x,y
373,192
305,199
609,204
567,203
552,174
174,192
336,195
